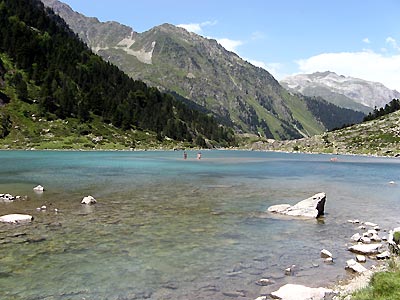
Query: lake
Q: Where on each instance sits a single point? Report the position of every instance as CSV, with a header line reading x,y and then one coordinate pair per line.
x,y
169,228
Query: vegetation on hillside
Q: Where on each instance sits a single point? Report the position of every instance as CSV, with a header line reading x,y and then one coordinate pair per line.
x,y
55,73
392,106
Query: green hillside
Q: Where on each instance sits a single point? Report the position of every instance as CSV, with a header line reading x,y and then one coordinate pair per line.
x,y
55,93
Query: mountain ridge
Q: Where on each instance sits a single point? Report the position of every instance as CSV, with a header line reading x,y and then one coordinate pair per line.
x,y
170,58
345,91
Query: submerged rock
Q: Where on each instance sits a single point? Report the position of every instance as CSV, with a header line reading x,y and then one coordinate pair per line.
x,y
300,292
312,207
16,218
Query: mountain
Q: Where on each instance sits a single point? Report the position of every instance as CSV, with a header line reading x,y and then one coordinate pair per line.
x,y
51,81
348,92
239,94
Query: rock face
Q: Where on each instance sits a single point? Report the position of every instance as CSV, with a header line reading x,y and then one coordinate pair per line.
x,y
16,218
89,200
312,207
300,292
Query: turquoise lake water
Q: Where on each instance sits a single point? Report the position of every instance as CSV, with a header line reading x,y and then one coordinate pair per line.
x,y
168,228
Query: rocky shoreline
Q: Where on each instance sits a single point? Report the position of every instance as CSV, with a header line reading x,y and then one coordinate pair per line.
x,y
367,245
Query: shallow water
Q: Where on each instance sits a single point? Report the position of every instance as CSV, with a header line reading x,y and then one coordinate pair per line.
x,y
165,228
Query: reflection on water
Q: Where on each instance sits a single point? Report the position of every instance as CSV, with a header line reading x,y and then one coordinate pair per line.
x,y
165,228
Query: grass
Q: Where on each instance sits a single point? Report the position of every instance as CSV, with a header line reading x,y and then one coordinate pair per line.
x,y
383,285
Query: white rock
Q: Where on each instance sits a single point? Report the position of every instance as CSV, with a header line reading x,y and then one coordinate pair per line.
x,y
38,188
325,253
365,240
43,207
312,207
383,255
377,228
392,182
371,232
290,271
375,238
261,298
366,249
356,237
264,281
300,292
361,258
370,224
361,227
355,266
16,218
88,200
328,260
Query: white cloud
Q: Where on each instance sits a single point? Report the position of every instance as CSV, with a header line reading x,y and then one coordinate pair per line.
x,y
197,27
229,44
366,65
391,41
367,41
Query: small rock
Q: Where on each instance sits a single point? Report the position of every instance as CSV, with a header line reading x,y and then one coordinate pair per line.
x,y
365,240
377,228
356,237
370,224
361,227
356,221
290,271
261,298
38,188
361,258
328,260
325,253
89,200
43,207
383,255
355,266
375,238
264,282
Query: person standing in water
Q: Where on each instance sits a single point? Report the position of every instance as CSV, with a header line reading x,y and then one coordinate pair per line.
x,y
184,155
199,155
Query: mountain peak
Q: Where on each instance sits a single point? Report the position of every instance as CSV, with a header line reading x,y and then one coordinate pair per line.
x,y
341,90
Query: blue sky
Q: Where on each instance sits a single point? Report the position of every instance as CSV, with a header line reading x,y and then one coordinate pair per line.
x,y
359,38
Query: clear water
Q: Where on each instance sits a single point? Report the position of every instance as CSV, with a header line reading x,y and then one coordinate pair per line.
x,y
166,228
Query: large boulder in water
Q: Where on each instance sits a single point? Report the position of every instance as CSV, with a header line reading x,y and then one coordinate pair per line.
x,y
300,292
312,207
16,218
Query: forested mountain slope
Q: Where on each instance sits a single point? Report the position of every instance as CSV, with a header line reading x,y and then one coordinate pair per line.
x,y
44,65
239,94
